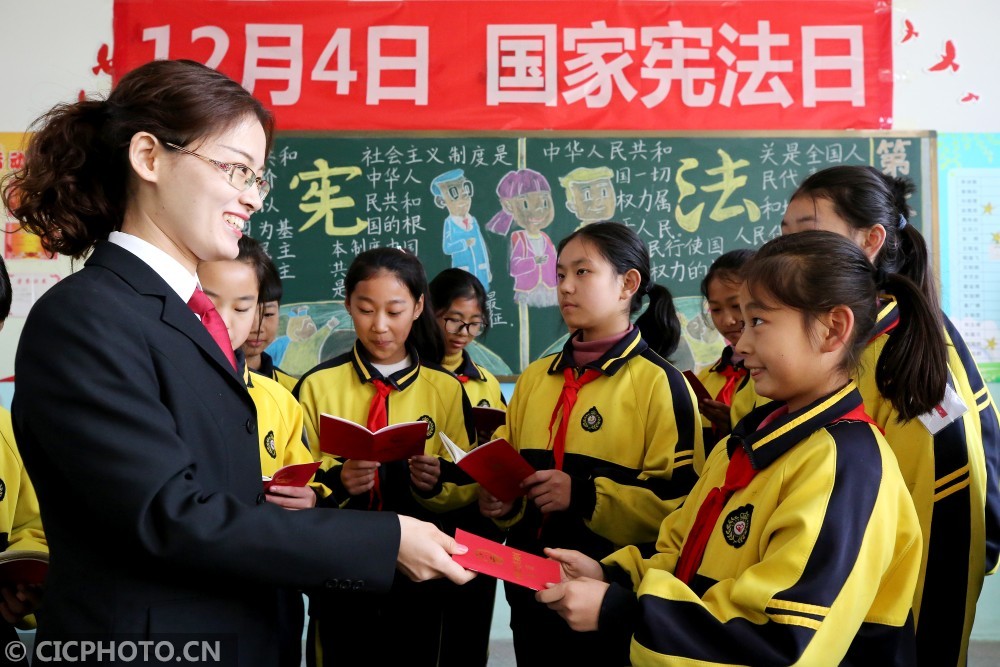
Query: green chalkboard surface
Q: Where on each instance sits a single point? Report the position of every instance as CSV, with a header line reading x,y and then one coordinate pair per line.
x,y
468,201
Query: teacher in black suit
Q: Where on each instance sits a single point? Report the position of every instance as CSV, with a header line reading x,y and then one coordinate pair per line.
x,y
134,425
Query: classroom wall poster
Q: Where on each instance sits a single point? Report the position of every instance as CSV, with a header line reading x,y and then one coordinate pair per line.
x,y
969,201
519,64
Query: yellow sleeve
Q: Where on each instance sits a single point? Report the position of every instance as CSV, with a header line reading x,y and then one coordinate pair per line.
x,y
456,489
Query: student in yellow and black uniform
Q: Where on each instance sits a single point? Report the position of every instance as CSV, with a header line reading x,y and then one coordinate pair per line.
x,y
20,521
234,288
459,302
721,290
951,469
609,425
799,544
258,360
384,380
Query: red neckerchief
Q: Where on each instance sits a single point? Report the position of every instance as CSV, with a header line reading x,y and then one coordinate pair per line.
x,y
739,473
564,405
378,417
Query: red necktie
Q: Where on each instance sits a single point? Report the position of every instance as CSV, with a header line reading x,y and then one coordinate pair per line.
x,y
205,309
567,399
378,417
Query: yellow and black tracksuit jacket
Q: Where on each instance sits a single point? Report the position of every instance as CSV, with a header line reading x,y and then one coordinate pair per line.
x,y
343,387
814,562
481,386
629,448
714,381
20,520
953,479
279,425
268,369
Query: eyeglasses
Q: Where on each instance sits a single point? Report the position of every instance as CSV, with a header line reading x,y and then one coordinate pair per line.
x,y
455,327
241,176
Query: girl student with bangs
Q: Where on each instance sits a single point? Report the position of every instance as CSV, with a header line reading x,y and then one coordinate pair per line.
x,y
266,329
234,286
799,544
130,412
609,425
721,290
951,465
459,304
390,376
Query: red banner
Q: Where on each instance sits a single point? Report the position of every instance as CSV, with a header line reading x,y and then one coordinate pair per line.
x,y
531,64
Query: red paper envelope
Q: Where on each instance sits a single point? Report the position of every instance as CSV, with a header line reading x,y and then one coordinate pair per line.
x,y
297,474
503,562
699,389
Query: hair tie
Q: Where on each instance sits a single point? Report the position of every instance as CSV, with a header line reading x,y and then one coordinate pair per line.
x,y
902,222
880,276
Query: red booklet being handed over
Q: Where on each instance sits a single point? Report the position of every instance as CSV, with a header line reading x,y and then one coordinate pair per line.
x,y
503,562
340,437
297,474
496,466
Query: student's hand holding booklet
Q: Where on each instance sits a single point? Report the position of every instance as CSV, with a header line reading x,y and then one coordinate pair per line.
x,y
496,466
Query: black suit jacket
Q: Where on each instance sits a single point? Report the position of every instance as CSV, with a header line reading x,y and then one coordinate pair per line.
x,y
140,439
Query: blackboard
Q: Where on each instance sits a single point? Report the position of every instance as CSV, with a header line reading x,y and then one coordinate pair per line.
x,y
690,197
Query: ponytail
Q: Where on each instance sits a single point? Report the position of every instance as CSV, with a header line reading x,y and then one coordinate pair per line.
x,y
659,325
71,191
76,183
912,369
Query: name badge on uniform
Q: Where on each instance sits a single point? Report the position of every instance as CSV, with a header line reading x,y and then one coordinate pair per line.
x,y
948,410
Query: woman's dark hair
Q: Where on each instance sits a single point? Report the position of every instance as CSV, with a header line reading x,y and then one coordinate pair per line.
x,y
6,296
77,180
815,271
727,268
864,197
425,335
453,284
624,250
268,280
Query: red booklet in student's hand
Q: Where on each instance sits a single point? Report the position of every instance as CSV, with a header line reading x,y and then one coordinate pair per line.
x,y
503,562
297,474
23,567
487,419
699,389
340,437
497,466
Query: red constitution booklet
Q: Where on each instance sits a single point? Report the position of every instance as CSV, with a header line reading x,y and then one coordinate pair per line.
x,y
23,567
340,437
297,474
503,562
496,466
699,389
487,419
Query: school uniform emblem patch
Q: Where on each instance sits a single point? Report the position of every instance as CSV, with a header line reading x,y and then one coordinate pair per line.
x,y
3,490
484,403
269,444
591,420
431,426
736,527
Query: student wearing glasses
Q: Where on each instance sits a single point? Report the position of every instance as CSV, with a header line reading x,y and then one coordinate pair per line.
x,y
131,416
459,302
